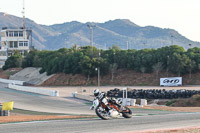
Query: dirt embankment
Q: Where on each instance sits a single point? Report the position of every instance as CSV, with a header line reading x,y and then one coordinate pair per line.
x,y
121,78
193,101
6,74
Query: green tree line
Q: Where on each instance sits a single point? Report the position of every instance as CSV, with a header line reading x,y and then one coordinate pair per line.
x,y
86,59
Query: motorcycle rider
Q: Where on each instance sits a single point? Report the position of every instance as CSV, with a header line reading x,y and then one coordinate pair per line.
x,y
106,108
102,97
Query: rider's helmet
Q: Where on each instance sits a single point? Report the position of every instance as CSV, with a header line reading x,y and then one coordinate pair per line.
x,y
96,92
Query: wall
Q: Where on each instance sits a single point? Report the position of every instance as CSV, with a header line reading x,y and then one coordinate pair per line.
x,y
34,90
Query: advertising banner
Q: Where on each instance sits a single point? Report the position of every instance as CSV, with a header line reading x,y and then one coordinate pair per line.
x,y
171,81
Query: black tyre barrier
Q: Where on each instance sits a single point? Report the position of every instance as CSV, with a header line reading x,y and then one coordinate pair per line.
x,y
153,93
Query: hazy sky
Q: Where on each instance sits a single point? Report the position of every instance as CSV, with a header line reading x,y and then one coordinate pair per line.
x,y
181,15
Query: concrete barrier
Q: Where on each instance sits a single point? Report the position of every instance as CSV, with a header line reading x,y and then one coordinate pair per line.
x,y
4,113
133,101
143,102
34,90
17,82
84,97
128,102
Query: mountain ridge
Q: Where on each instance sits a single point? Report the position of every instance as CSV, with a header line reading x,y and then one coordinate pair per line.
x,y
121,32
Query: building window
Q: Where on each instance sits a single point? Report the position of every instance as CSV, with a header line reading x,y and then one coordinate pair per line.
x,y
2,53
15,33
9,54
15,44
10,33
21,33
11,44
25,43
21,43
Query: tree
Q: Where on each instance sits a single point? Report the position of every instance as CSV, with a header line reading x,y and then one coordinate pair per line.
x,y
190,66
13,61
87,67
75,59
144,58
121,59
82,60
37,61
109,55
89,51
74,48
194,54
115,47
130,59
178,62
28,60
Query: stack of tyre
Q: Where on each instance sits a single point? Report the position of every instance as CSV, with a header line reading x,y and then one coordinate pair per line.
x,y
153,93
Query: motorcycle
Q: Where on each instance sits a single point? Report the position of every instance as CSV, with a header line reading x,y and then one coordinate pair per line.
x,y
110,108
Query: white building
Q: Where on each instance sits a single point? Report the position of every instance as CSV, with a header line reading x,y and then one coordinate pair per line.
x,y
12,39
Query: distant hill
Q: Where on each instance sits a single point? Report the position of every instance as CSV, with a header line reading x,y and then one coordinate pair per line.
x,y
119,32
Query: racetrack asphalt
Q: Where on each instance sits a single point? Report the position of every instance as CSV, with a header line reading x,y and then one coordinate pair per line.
x,y
67,105
41,103
120,125
142,119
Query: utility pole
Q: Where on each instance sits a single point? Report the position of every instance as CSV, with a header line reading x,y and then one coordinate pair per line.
x,y
144,45
98,71
190,45
127,44
91,26
172,39
23,14
98,77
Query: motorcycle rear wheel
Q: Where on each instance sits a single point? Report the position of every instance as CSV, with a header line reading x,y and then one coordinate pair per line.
x,y
100,114
127,113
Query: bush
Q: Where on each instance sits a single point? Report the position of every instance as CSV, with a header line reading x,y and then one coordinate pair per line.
x,y
170,102
196,97
13,61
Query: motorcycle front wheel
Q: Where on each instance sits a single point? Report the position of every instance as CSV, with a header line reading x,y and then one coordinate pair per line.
x,y
102,114
127,113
